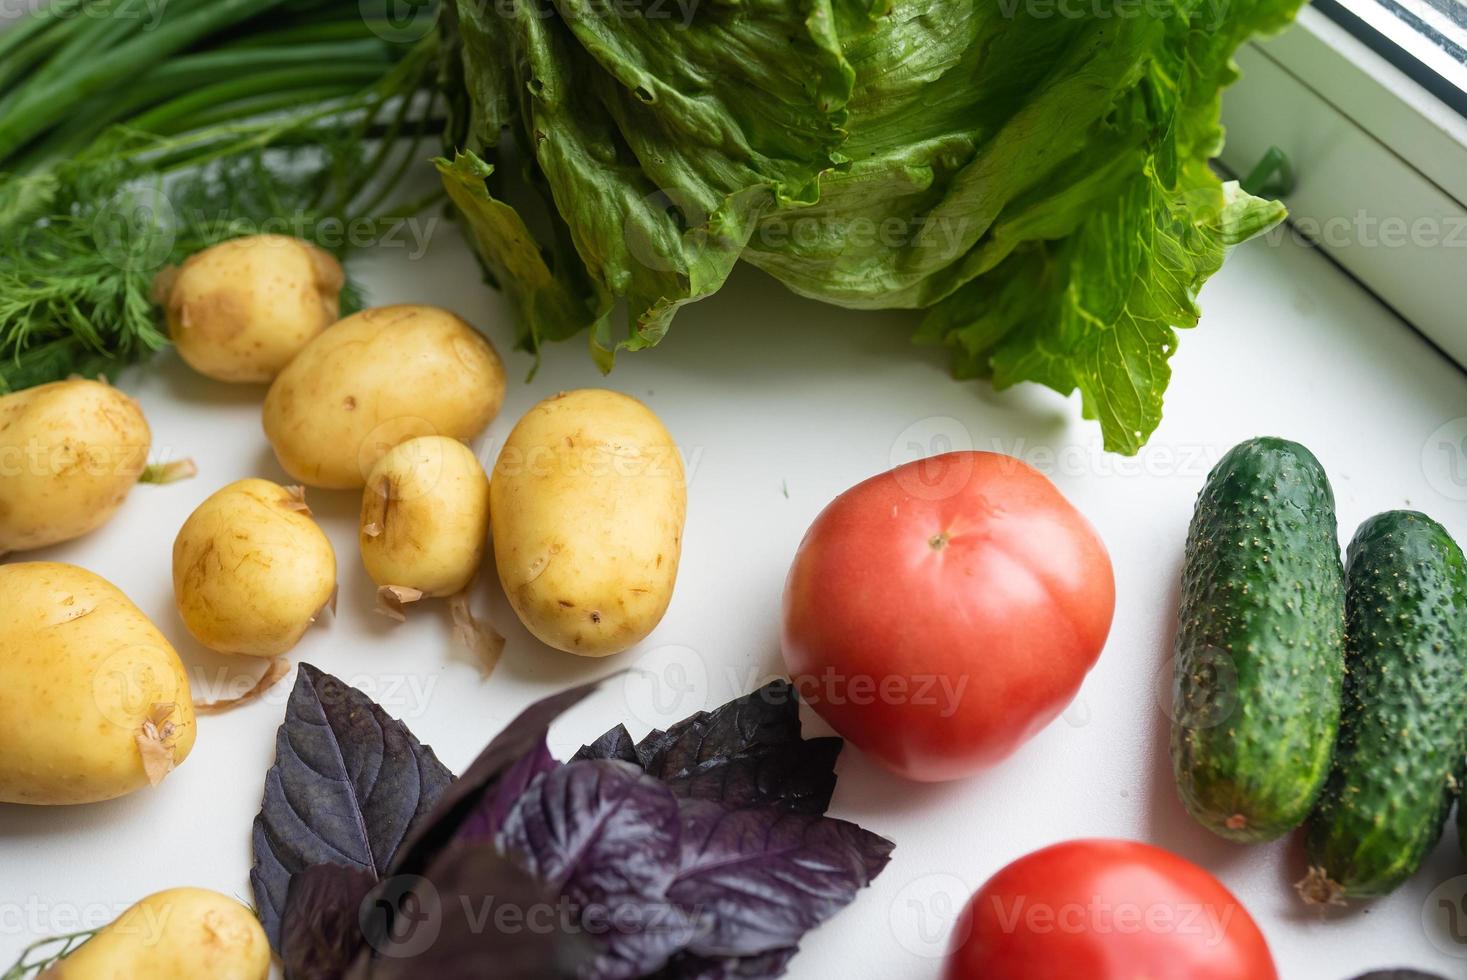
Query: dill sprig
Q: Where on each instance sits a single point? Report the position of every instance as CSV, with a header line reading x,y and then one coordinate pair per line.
x,y
45,953
102,192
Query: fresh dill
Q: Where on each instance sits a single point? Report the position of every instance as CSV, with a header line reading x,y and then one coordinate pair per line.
x,y
98,197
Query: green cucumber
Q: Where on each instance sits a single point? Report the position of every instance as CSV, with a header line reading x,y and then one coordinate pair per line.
x,y
1403,729
1260,643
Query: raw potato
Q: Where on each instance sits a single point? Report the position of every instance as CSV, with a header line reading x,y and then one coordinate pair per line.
x,y
374,380
180,934
94,702
70,452
425,517
587,503
240,310
251,570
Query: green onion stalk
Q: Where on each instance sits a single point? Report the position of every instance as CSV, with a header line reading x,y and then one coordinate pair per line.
x,y
134,133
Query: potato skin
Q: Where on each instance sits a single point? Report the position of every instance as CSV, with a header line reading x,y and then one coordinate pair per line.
x,y
587,503
70,452
425,516
251,569
80,670
240,310
182,934
377,379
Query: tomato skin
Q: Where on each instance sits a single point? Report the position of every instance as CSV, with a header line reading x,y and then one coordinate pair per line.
x,y
940,614
1106,910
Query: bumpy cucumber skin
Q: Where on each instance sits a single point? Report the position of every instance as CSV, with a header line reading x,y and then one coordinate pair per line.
x,y
1403,728
1260,643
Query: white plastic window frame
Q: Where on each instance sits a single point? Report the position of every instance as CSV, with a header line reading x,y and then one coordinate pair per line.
x,y
1379,167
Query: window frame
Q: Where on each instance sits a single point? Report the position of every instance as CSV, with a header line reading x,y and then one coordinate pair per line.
x,y
1371,150
1428,77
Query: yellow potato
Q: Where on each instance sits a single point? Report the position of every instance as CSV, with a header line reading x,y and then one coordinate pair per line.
x,y
69,454
251,570
425,517
587,502
240,310
180,934
374,380
94,702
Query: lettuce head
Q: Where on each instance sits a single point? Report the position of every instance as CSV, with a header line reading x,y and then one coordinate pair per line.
x,y
1030,176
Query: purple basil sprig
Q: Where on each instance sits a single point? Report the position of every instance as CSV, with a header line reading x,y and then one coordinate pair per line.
x,y
701,852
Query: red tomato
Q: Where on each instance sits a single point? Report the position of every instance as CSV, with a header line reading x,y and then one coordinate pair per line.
x,y
940,614
1106,910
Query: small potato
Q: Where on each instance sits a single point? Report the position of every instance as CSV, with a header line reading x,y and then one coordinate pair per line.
x,y
181,934
425,517
251,570
240,310
69,454
377,379
94,702
587,502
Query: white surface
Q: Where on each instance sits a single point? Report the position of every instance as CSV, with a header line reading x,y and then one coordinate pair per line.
x,y
767,392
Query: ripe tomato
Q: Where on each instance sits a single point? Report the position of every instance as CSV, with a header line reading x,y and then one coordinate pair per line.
x,y
1106,910
940,614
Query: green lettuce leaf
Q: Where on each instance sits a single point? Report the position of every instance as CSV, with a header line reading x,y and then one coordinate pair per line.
x,y
1032,175
1097,309
657,137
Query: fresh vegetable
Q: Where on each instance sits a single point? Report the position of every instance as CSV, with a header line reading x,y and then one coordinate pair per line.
x,y
181,933
1038,184
136,135
94,702
70,452
240,310
1260,645
587,502
1403,729
940,614
679,856
374,380
347,783
1106,910
425,520
251,570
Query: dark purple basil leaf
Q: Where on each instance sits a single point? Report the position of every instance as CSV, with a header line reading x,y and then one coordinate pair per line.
x,y
474,915
483,821
798,777
518,739
604,836
656,742
766,718
748,752
347,783
760,879
615,744
321,931
690,966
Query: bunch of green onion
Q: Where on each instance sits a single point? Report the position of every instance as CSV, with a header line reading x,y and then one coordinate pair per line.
x,y
121,118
